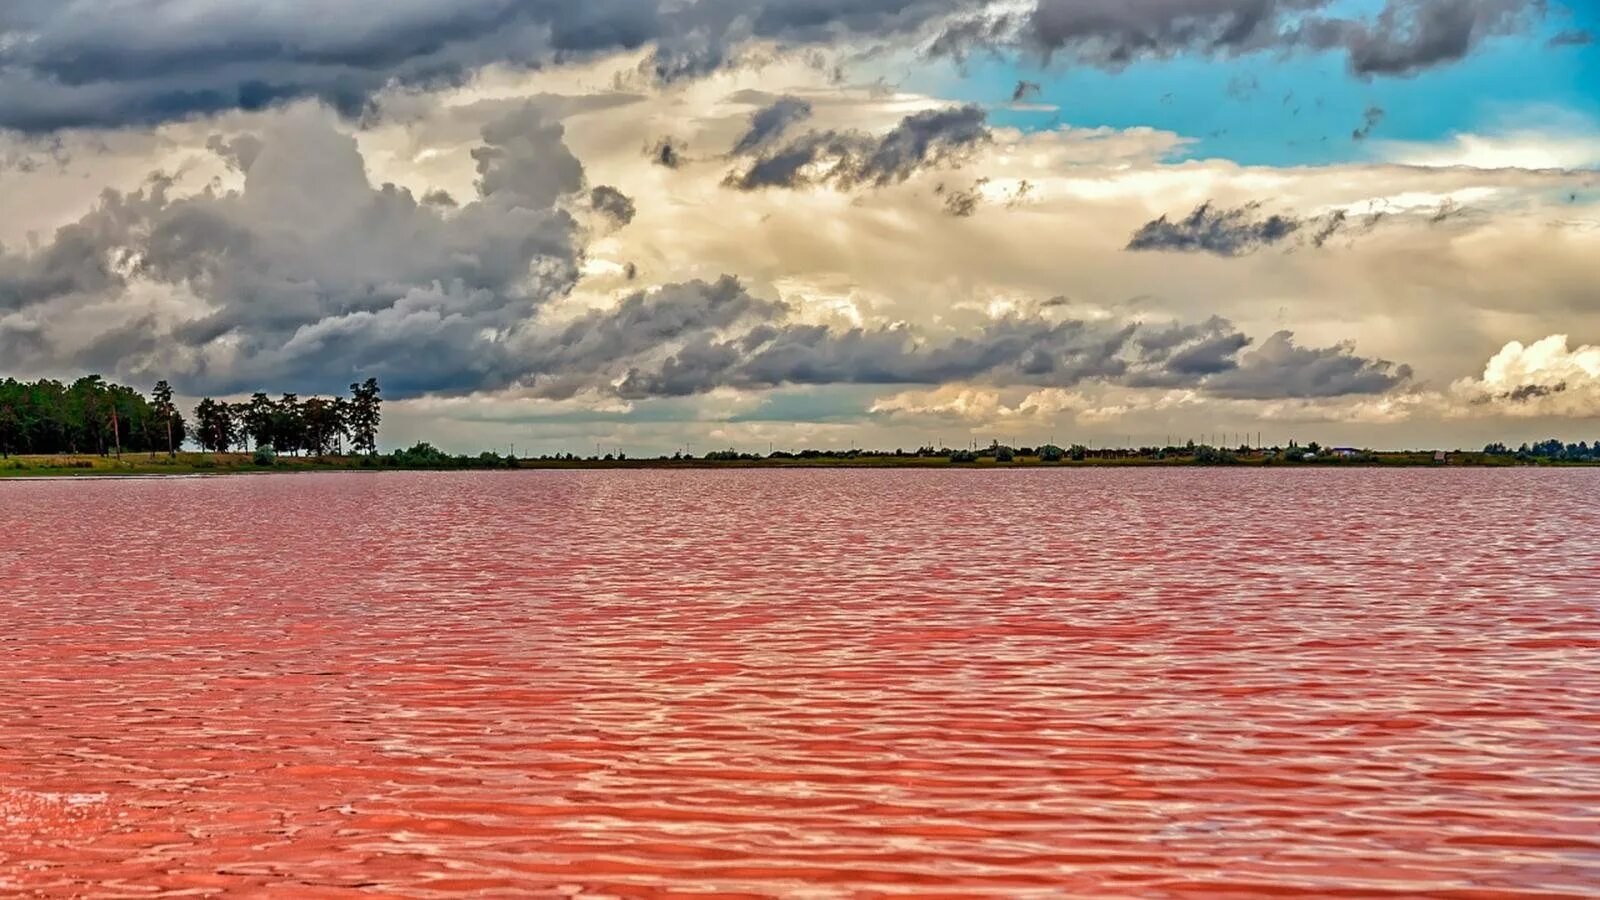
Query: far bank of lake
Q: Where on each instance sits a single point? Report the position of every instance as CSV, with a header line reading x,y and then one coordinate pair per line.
x,y
191,464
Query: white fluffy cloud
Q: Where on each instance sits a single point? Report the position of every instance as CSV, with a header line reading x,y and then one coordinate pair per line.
x,y
1544,378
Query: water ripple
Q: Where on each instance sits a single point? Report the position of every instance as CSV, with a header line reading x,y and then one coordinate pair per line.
x,y
808,684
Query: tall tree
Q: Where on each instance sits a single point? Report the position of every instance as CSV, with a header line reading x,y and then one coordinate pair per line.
x,y
365,414
166,411
216,423
324,424
257,419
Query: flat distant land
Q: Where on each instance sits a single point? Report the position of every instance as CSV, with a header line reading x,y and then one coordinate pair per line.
x,y
141,464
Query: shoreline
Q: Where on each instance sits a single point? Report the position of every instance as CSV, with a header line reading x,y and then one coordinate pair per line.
x,y
197,465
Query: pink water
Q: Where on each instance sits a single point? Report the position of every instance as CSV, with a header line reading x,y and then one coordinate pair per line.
x,y
809,684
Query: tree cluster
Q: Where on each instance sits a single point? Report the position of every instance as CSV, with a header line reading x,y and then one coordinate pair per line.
x,y
1552,450
315,425
89,415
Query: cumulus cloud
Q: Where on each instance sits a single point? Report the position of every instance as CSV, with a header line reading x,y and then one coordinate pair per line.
x,y
1544,378
308,274
849,159
1400,38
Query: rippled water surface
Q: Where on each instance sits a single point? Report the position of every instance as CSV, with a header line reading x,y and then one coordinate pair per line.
x,y
809,684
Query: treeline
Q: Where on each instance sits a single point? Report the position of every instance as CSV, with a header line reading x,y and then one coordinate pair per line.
x,y
91,415
1552,450
315,425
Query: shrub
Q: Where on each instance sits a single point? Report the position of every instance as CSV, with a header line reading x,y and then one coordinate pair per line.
x,y
1052,453
265,455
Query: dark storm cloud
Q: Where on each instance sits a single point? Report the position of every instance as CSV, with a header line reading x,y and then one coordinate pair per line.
x,y
849,159
1402,37
90,63
1212,229
770,122
1408,36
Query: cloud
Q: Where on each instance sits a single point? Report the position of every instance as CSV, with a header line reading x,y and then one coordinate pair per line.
x,y
849,159
1369,120
1403,37
1574,147
666,152
1572,37
1212,229
1544,378
770,122
309,275
697,337
962,202
1280,369
67,63
613,204
1025,90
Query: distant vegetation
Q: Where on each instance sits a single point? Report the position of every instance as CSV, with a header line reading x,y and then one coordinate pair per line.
x,y
86,416
1549,451
49,427
92,416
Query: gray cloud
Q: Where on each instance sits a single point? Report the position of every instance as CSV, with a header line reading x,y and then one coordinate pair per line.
x,y
1404,36
309,275
1212,229
74,63
1279,369
690,338
666,152
849,159
1572,37
1408,36
1369,120
770,122
1025,90
70,63
613,204
962,202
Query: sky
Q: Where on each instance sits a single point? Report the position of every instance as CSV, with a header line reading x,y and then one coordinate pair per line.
x,y
657,225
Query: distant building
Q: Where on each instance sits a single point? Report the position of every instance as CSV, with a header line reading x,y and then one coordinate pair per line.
x,y
1345,451
1441,457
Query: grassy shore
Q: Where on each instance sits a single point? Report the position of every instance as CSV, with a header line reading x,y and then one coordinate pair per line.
x,y
135,465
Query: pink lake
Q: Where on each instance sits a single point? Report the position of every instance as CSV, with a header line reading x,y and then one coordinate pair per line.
x,y
1047,683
